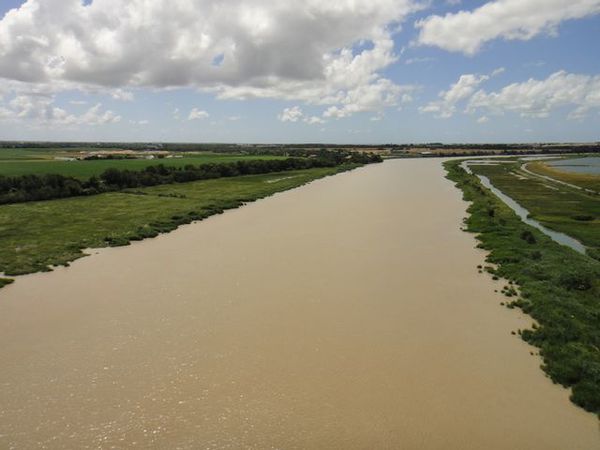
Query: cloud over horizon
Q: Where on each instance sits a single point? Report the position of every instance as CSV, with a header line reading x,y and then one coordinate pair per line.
x,y
312,51
467,31
532,98
89,69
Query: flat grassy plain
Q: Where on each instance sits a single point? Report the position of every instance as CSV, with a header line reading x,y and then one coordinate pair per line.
x,y
11,154
39,162
36,235
558,207
578,179
558,287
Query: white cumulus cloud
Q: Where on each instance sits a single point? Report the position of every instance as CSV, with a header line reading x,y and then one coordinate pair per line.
x,y
314,120
467,31
95,116
295,114
197,114
40,110
538,98
313,51
531,98
122,95
459,91
292,114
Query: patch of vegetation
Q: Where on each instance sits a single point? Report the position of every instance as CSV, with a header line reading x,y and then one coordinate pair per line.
x,y
5,281
558,287
528,237
563,209
36,235
584,218
51,186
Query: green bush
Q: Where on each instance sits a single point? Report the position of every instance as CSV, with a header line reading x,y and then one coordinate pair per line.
x,y
577,278
583,218
5,281
528,237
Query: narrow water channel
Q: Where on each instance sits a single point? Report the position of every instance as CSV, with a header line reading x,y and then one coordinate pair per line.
x,y
560,238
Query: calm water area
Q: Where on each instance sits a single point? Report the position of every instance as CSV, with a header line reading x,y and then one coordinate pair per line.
x,y
345,314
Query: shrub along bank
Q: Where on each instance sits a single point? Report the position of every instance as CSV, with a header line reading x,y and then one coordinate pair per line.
x,y
38,235
32,187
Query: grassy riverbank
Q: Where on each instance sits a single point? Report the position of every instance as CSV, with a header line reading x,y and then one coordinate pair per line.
x,y
37,235
557,287
558,207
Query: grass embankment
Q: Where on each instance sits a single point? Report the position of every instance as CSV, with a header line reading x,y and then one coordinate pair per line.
x,y
36,235
570,211
558,287
14,164
578,179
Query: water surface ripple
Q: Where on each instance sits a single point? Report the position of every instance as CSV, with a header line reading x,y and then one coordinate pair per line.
x,y
344,314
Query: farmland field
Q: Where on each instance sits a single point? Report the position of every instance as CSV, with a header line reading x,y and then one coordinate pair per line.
x,y
34,161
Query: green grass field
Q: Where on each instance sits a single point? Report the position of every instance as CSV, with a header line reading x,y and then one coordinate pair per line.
x,y
558,207
23,162
35,235
10,154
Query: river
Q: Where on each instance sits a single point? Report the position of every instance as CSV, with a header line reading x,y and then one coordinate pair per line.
x,y
344,314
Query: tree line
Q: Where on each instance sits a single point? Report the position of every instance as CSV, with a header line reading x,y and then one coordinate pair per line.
x,y
32,187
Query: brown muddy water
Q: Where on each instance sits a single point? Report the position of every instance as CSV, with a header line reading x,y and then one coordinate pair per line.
x,y
344,314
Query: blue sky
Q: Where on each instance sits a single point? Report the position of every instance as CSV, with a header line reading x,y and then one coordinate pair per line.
x,y
343,71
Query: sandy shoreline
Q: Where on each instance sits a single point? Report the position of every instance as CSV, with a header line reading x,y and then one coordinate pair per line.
x,y
344,314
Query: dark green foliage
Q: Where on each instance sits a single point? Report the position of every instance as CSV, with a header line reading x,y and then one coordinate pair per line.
x,y
5,281
536,255
528,237
44,187
579,278
583,218
594,253
559,288
32,187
